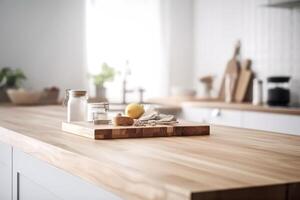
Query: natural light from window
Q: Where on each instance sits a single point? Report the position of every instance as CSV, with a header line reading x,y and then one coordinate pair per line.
x,y
126,30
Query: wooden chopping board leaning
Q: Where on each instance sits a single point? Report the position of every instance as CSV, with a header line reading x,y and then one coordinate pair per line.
x,y
243,81
232,69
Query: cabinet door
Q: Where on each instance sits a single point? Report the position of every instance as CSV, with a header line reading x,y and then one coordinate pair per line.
x,y
30,190
226,117
272,122
35,180
5,172
201,115
213,116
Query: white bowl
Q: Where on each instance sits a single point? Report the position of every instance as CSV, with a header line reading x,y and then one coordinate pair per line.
x,y
182,92
24,97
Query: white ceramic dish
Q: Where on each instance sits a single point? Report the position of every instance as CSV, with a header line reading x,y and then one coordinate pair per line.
x,y
182,92
24,97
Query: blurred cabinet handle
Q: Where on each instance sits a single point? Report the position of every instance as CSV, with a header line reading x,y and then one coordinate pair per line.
x,y
216,112
203,121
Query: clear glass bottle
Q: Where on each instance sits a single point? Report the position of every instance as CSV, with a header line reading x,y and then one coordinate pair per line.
x,y
257,93
77,105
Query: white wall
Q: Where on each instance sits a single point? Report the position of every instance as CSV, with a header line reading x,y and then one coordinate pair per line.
x,y
45,38
269,36
177,26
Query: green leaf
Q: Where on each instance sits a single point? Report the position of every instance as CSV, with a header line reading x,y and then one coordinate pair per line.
x,y
11,78
107,74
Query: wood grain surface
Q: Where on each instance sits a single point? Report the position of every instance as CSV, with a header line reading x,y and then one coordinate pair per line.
x,y
100,132
228,164
244,81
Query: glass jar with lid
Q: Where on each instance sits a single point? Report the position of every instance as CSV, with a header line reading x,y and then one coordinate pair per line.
x,y
278,90
76,101
97,111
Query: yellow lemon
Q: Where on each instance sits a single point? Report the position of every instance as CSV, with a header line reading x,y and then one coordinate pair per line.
x,y
134,110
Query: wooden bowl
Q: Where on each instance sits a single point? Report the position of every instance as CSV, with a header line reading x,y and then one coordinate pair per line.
x,y
122,121
24,97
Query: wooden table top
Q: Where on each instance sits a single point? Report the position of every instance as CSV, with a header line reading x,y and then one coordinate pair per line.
x,y
156,168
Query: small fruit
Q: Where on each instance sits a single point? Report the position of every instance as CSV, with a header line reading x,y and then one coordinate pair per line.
x,y
134,110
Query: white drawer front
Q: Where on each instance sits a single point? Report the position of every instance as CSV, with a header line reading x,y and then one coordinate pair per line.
x,y
226,117
201,115
31,174
272,122
5,172
213,116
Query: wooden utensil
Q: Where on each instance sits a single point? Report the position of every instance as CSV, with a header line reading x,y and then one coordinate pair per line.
x,y
243,81
207,81
232,68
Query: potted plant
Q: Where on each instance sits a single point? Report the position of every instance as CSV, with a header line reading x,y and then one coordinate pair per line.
x,y
107,74
9,78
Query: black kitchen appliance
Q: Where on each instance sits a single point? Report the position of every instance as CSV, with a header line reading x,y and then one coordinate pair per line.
x,y
278,90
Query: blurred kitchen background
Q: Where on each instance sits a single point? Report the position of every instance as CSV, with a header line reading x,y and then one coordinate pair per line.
x,y
166,51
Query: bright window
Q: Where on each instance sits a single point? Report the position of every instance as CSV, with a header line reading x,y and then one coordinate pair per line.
x,y
121,30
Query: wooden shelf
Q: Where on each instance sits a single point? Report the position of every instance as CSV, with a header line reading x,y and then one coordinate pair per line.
x,y
245,107
214,103
283,3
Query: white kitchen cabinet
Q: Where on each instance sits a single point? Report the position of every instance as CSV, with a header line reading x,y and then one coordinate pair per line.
x,y
280,123
5,172
195,114
29,190
274,122
226,117
212,116
37,180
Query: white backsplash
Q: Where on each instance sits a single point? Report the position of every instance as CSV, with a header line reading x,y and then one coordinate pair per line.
x,y
269,36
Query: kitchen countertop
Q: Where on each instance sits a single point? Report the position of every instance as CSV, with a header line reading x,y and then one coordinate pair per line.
x,y
213,103
231,161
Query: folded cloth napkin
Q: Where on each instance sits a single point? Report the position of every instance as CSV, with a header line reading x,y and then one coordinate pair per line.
x,y
150,114
153,117
166,118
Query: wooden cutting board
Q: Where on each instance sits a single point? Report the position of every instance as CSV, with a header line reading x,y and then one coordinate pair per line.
x,y
99,132
232,68
243,81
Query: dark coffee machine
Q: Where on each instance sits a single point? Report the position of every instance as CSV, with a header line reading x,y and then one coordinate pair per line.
x,y
278,91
